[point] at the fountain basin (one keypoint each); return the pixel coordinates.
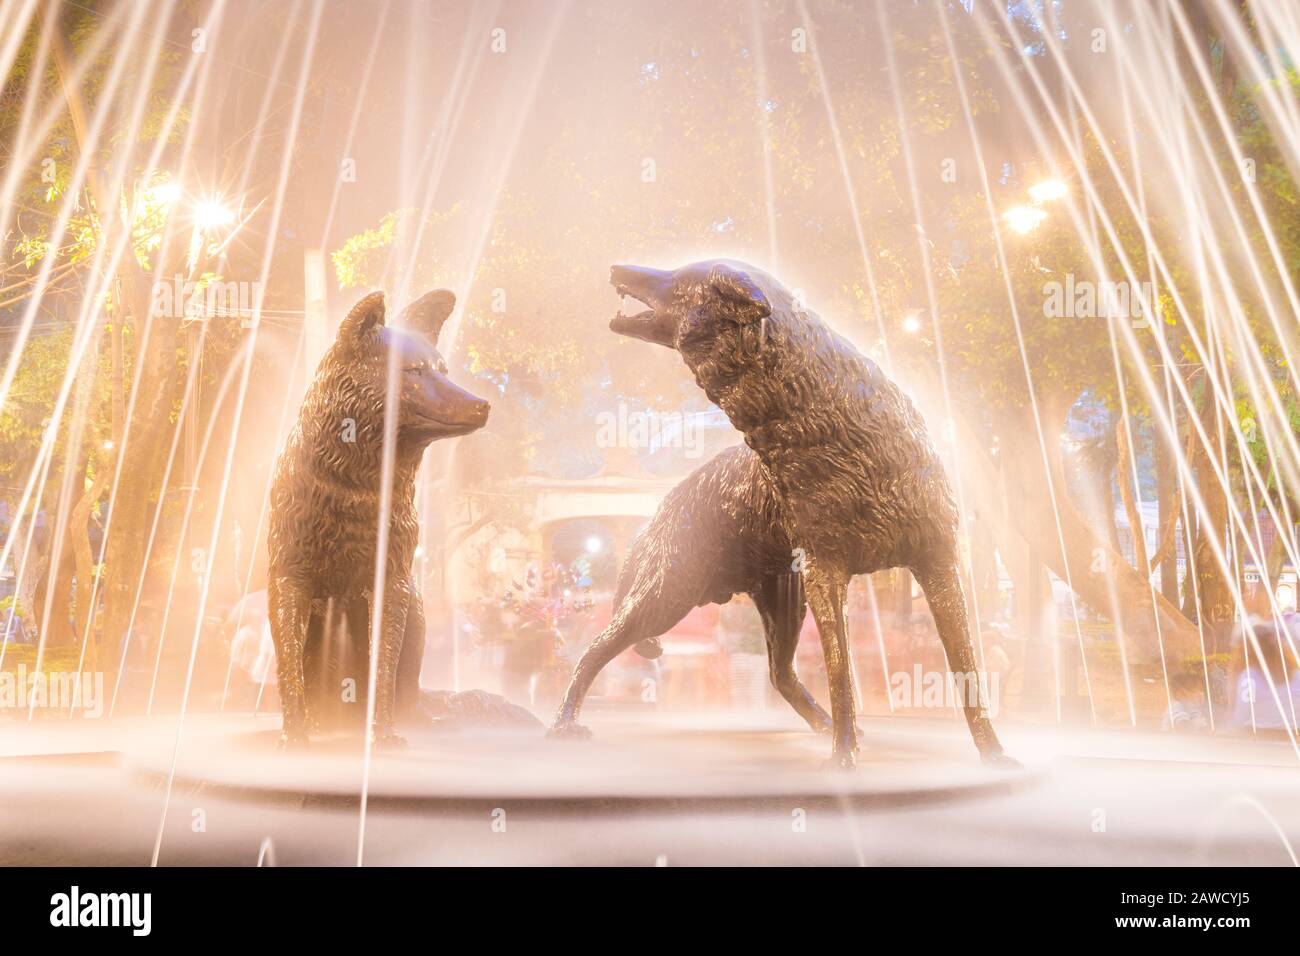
(648, 762)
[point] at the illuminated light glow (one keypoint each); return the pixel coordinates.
(593, 544)
(1048, 190)
(210, 214)
(911, 323)
(1023, 219)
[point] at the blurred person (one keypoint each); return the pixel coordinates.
(996, 659)
(136, 654)
(1256, 683)
(532, 652)
(1188, 711)
(14, 626)
(252, 653)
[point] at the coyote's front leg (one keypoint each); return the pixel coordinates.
(384, 660)
(290, 608)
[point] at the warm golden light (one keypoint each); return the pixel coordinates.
(1023, 219)
(1048, 190)
(210, 214)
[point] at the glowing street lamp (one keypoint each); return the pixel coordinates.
(1048, 190)
(211, 214)
(1023, 219)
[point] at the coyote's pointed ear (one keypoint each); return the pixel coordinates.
(739, 290)
(428, 313)
(366, 316)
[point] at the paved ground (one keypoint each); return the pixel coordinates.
(662, 788)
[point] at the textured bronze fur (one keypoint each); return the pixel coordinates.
(325, 503)
(838, 463)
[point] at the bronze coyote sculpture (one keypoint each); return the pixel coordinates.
(325, 503)
(836, 466)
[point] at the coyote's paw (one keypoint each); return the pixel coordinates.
(1000, 760)
(842, 760)
(569, 730)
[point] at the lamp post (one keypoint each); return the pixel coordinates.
(208, 215)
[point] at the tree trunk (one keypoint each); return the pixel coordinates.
(58, 624)
(983, 559)
(1216, 606)
(143, 450)
(87, 592)
(1190, 609)
(54, 604)
(1033, 621)
(1125, 470)
(1088, 561)
(143, 447)
(31, 588)
(1166, 556)
(1110, 458)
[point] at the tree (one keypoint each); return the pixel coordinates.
(109, 217)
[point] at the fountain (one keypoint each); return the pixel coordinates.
(1063, 230)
